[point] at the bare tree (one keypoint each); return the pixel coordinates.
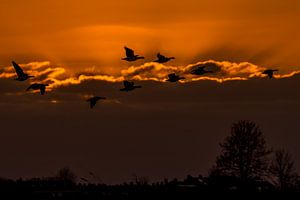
(244, 153)
(283, 170)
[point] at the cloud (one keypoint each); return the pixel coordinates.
(58, 76)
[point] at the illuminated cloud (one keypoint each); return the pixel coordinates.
(57, 76)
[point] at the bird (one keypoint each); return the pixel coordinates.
(200, 71)
(94, 100)
(163, 59)
(38, 86)
(130, 56)
(21, 75)
(128, 86)
(270, 72)
(91, 173)
(174, 78)
(84, 179)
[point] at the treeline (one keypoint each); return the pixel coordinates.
(245, 164)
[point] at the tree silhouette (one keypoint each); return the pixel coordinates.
(67, 175)
(283, 170)
(244, 153)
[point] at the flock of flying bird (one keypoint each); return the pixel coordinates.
(128, 86)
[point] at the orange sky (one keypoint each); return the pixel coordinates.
(82, 34)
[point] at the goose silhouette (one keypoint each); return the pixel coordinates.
(38, 86)
(163, 59)
(200, 71)
(128, 86)
(130, 56)
(174, 78)
(84, 179)
(21, 75)
(94, 100)
(270, 72)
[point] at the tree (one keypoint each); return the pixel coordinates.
(244, 153)
(283, 171)
(67, 175)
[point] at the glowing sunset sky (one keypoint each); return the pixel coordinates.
(90, 33)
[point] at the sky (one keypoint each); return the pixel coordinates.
(163, 129)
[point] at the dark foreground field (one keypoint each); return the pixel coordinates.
(190, 187)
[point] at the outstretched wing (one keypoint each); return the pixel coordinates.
(268, 72)
(43, 89)
(90, 99)
(29, 88)
(161, 57)
(173, 75)
(129, 52)
(93, 103)
(128, 84)
(18, 69)
(270, 75)
(84, 179)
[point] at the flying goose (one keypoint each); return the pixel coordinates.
(200, 71)
(163, 59)
(174, 78)
(38, 86)
(94, 100)
(21, 75)
(130, 56)
(270, 72)
(84, 179)
(128, 86)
